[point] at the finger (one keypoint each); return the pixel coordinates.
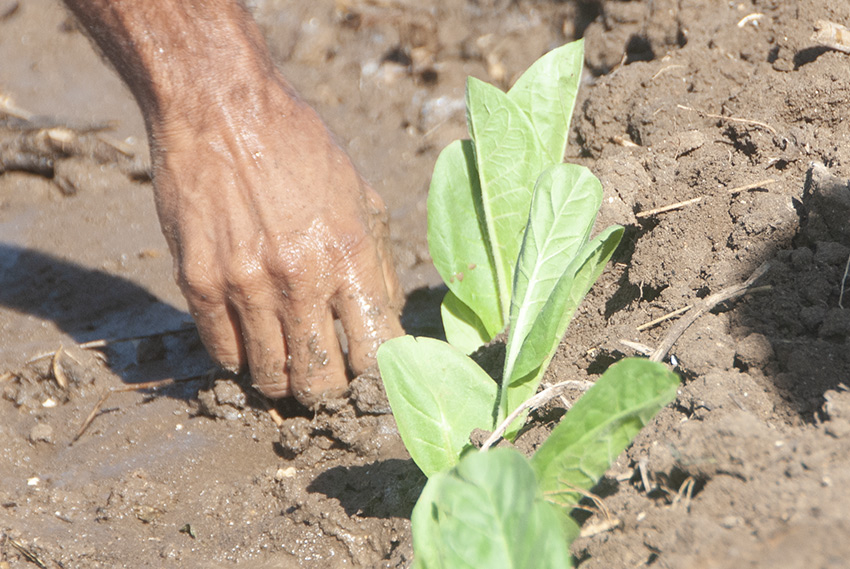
(391, 283)
(365, 309)
(267, 354)
(317, 368)
(220, 332)
(379, 227)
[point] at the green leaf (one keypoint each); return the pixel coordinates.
(464, 330)
(509, 158)
(601, 425)
(458, 238)
(438, 396)
(555, 270)
(547, 93)
(489, 512)
(563, 209)
(554, 317)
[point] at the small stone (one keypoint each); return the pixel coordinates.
(689, 141)
(838, 428)
(42, 432)
(296, 434)
(284, 473)
(225, 400)
(147, 514)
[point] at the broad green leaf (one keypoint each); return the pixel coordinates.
(489, 512)
(601, 425)
(509, 158)
(547, 93)
(457, 235)
(438, 396)
(545, 334)
(464, 330)
(563, 208)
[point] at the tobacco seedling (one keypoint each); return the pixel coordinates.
(500, 510)
(508, 230)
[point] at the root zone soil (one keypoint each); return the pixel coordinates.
(727, 109)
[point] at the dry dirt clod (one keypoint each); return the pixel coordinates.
(41, 432)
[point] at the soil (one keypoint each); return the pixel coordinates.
(728, 107)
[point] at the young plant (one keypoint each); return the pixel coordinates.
(500, 510)
(508, 230)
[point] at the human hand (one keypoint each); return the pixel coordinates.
(274, 234)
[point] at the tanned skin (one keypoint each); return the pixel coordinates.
(272, 230)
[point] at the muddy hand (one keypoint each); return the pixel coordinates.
(273, 232)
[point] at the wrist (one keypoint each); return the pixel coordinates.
(182, 59)
(209, 71)
(220, 102)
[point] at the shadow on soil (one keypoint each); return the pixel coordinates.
(382, 489)
(88, 304)
(798, 330)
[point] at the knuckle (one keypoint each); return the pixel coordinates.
(197, 282)
(294, 262)
(358, 256)
(244, 276)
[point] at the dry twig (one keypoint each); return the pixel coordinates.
(532, 403)
(622, 141)
(597, 501)
(678, 205)
(667, 316)
(644, 475)
(843, 281)
(273, 412)
(591, 529)
(608, 522)
(700, 308)
(106, 342)
(666, 208)
(56, 368)
(831, 35)
(103, 343)
(685, 493)
(752, 186)
(666, 69)
(136, 387)
(8, 108)
(637, 346)
(28, 554)
(730, 119)
(750, 19)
